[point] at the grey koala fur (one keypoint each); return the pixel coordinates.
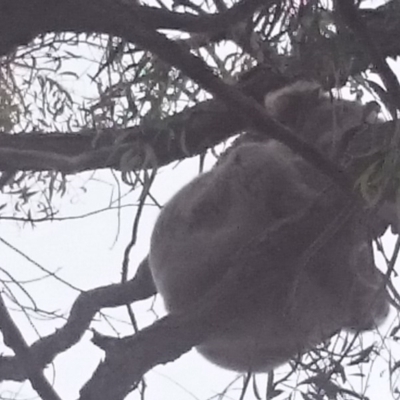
(285, 308)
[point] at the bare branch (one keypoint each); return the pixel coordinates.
(84, 309)
(34, 370)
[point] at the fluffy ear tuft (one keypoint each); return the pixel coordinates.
(288, 103)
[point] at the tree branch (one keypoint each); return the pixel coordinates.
(179, 136)
(26, 360)
(84, 309)
(22, 20)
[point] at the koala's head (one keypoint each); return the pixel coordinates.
(315, 116)
(292, 104)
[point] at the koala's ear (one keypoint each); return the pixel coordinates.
(316, 92)
(285, 103)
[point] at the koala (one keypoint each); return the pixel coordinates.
(299, 296)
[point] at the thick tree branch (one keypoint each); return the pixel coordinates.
(22, 20)
(158, 18)
(182, 135)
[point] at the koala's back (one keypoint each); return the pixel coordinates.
(207, 221)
